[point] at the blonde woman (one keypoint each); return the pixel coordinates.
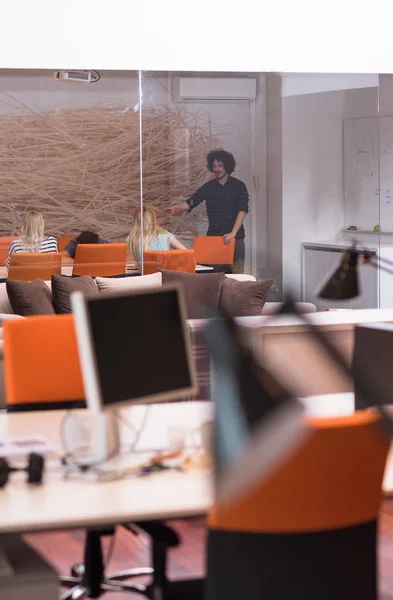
(32, 237)
(154, 236)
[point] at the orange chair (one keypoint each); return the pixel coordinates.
(64, 240)
(211, 250)
(4, 247)
(308, 530)
(100, 260)
(26, 266)
(37, 375)
(171, 260)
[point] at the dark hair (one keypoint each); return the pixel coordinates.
(227, 159)
(87, 237)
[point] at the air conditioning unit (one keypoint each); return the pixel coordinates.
(188, 89)
(78, 76)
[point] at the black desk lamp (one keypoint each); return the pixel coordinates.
(343, 284)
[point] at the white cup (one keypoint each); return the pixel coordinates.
(177, 437)
(207, 437)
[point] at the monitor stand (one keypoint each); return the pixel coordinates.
(106, 437)
(100, 438)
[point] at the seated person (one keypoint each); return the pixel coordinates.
(154, 236)
(86, 237)
(32, 237)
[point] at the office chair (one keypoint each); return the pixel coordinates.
(211, 250)
(171, 260)
(26, 266)
(46, 379)
(4, 247)
(100, 260)
(308, 531)
(63, 240)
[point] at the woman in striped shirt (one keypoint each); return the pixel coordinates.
(32, 236)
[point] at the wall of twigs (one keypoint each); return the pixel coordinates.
(81, 167)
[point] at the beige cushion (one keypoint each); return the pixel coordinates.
(240, 276)
(108, 284)
(5, 306)
(270, 308)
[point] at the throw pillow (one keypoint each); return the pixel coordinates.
(244, 298)
(63, 286)
(124, 284)
(200, 290)
(29, 298)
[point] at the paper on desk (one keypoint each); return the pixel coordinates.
(22, 445)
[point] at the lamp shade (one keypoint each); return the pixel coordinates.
(343, 284)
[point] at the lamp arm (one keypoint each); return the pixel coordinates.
(382, 267)
(385, 260)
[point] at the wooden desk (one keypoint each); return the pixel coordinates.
(293, 353)
(82, 502)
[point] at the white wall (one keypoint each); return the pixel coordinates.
(294, 84)
(313, 196)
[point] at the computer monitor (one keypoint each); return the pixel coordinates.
(372, 364)
(134, 348)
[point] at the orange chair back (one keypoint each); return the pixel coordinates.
(334, 480)
(64, 240)
(4, 247)
(211, 250)
(26, 266)
(171, 260)
(37, 375)
(100, 260)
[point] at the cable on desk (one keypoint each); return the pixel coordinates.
(138, 432)
(70, 456)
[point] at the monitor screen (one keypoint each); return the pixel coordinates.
(372, 364)
(140, 346)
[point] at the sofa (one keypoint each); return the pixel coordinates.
(195, 325)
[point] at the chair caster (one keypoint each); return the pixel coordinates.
(78, 570)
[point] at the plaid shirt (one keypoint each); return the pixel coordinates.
(223, 204)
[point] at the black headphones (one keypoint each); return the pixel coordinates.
(34, 469)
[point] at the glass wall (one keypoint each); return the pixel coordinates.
(186, 118)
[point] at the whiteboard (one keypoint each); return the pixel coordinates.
(368, 173)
